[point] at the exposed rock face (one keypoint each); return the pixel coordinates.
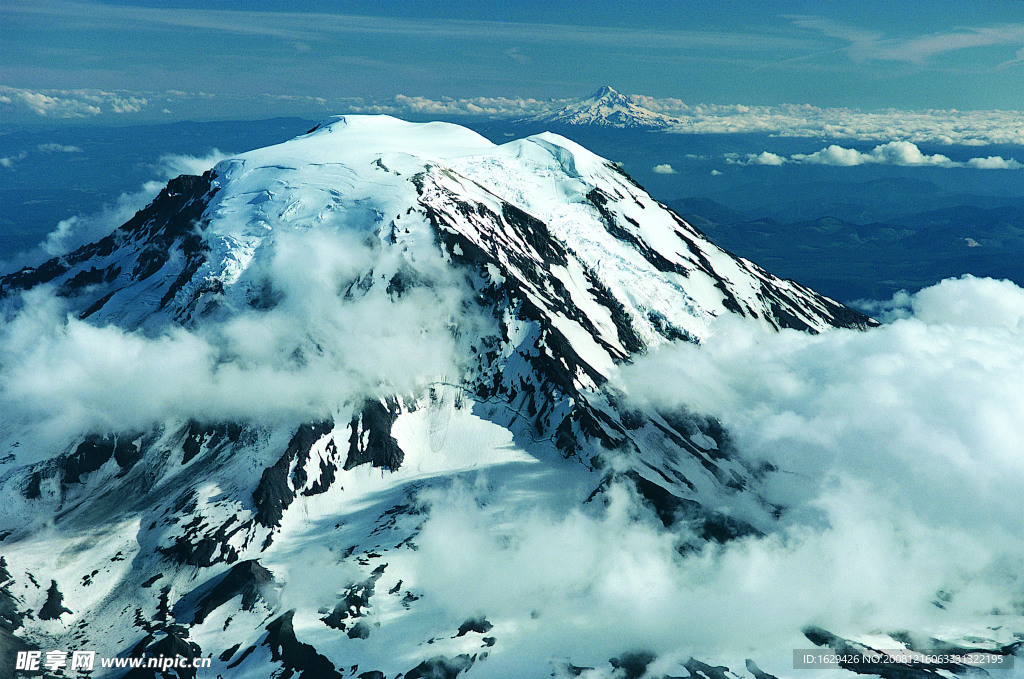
(54, 606)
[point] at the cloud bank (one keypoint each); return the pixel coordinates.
(311, 355)
(972, 128)
(80, 103)
(903, 153)
(897, 458)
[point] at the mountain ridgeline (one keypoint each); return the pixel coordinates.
(523, 274)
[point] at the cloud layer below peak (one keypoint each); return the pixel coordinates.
(903, 153)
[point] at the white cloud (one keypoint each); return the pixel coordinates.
(803, 120)
(978, 127)
(81, 103)
(765, 158)
(9, 161)
(902, 153)
(598, 581)
(312, 355)
(58, 148)
(871, 45)
(898, 452)
(994, 163)
(172, 165)
(78, 230)
(664, 168)
(892, 153)
(836, 155)
(898, 461)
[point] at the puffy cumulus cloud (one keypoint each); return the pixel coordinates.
(989, 304)
(915, 424)
(603, 579)
(902, 153)
(994, 163)
(897, 458)
(664, 168)
(82, 103)
(10, 161)
(78, 230)
(892, 153)
(669, 106)
(767, 158)
(836, 155)
(922, 405)
(312, 354)
(763, 158)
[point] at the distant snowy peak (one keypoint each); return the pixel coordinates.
(606, 108)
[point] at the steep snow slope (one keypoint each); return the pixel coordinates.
(305, 345)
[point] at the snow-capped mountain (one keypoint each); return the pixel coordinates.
(605, 108)
(305, 350)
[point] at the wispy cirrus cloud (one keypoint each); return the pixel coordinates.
(865, 45)
(310, 27)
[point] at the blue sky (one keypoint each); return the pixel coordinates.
(189, 59)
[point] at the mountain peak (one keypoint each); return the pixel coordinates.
(390, 169)
(605, 91)
(606, 108)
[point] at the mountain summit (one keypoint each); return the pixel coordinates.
(606, 108)
(254, 416)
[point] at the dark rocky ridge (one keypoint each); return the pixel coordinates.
(166, 224)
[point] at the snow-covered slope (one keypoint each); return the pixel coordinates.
(529, 196)
(325, 333)
(605, 108)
